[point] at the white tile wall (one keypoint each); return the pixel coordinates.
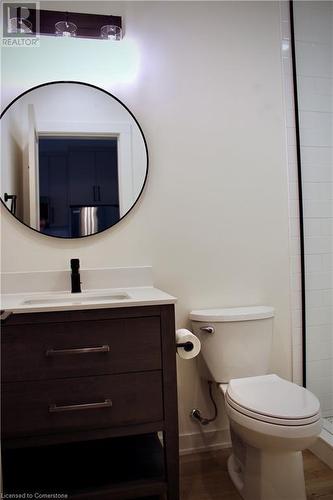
(318, 227)
(317, 191)
(315, 90)
(318, 157)
(315, 173)
(315, 126)
(322, 333)
(314, 59)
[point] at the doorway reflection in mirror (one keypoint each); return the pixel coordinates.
(74, 155)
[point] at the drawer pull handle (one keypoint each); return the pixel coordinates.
(4, 315)
(84, 406)
(82, 350)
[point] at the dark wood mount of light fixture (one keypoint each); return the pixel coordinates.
(88, 25)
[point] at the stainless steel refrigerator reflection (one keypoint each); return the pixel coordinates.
(92, 219)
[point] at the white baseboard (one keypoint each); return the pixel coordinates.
(323, 448)
(216, 439)
(204, 440)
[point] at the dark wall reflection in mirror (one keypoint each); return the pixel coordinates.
(73, 157)
(78, 185)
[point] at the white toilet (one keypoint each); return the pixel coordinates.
(271, 419)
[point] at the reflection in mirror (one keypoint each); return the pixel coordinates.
(73, 159)
(78, 184)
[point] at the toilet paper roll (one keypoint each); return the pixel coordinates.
(182, 336)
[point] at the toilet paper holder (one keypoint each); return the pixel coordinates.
(188, 346)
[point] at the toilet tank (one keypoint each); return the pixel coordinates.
(235, 342)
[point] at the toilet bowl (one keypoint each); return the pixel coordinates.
(271, 419)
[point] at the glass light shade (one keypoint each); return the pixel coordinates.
(65, 28)
(17, 25)
(111, 32)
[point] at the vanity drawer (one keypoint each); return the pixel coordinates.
(80, 348)
(76, 404)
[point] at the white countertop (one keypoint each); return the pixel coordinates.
(19, 303)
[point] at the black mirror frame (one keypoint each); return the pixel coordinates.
(144, 141)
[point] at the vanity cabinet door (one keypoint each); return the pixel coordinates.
(106, 170)
(75, 404)
(93, 177)
(81, 170)
(80, 348)
(53, 177)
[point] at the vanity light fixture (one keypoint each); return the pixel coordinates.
(69, 24)
(111, 32)
(65, 28)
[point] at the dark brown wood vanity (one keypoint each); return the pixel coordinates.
(87, 398)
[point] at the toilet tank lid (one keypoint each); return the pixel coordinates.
(232, 314)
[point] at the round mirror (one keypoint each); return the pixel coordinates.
(74, 160)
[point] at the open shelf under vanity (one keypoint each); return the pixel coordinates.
(122, 467)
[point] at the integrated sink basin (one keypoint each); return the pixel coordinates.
(51, 291)
(76, 298)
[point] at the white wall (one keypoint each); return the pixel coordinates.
(314, 58)
(204, 81)
(12, 161)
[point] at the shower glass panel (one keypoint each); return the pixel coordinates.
(313, 37)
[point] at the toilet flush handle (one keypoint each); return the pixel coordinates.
(207, 329)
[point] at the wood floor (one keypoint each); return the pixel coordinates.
(204, 476)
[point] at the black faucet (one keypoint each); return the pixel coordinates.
(75, 276)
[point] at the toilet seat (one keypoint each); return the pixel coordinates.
(273, 435)
(272, 420)
(274, 400)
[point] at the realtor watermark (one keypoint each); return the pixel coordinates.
(20, 24)
(36, 495)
